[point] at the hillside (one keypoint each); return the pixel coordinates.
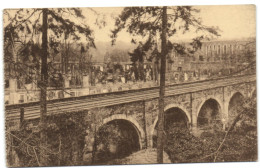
(104, 48)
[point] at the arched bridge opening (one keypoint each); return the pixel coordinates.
(235, 106)
(175, 122)
(209, 116)
(114, 140)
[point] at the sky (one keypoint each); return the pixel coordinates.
(234, 21)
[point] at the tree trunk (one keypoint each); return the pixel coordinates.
(160, 135)
(43, 86)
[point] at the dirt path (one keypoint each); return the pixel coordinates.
(146, 156)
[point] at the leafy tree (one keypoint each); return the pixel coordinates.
(51, 25)
(137, 58)
(152, 24)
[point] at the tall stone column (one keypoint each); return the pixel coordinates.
(85, 86)
(12, 88)
(85, 81)
(66, 78)
(66, 83)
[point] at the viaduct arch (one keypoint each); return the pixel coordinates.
(129, 119)
(168, 107)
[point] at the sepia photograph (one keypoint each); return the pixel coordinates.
(129, 85)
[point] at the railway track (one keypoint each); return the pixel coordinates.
(32, 110)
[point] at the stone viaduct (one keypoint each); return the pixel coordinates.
(139, 107)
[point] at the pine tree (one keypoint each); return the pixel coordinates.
(159, 24)
(52, 25)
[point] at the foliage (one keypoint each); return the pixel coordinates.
(23, 28)
(240, 144)
(65, 141)
(146, 22)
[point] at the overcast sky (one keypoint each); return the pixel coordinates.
(236, 22)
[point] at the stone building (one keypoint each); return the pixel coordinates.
(213, 58)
